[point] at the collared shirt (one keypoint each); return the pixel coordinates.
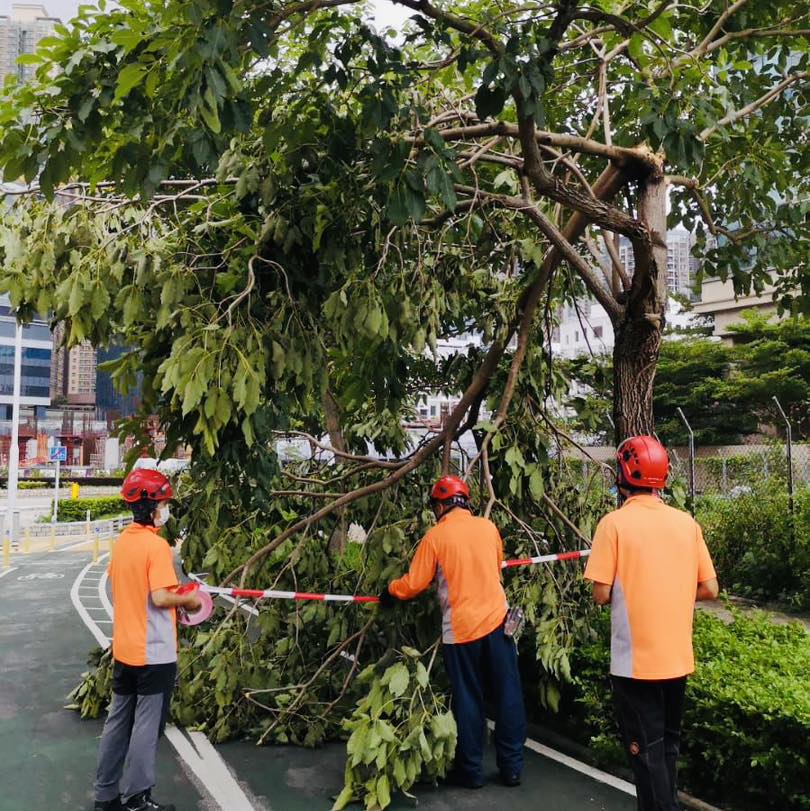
(141, 563)
(654, 556)
(463, 554)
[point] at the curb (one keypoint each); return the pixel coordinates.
(582, 753)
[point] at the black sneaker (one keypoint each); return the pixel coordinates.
(144, 802)
(108, 805)
(510, 780)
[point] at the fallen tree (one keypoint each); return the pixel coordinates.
(282, 213)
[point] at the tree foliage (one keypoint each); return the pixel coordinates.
(283, 212)
(726, 390)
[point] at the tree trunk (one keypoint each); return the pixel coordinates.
(639, 329)
(635, 356)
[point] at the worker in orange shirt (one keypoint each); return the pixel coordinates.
(463, 554)
(144, 648)
(650, 563)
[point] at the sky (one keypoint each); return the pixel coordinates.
(385, 11)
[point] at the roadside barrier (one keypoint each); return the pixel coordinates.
(88, 535)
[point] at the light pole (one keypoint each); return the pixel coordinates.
(14, 449)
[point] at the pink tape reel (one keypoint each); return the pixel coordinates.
(192, 618)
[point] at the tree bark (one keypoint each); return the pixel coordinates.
(639, 329)
(635, 356)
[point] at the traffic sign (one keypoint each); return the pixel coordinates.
(58, 453)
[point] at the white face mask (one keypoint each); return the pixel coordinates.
(162, 515)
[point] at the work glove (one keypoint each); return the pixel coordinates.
(387, 600)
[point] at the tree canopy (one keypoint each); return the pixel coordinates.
(726, 390)
(283, 211)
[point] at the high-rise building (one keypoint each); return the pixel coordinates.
(37, 346)
(681, 265)
(108, 399)
(679, 262)
(73, 372)
(20, 32)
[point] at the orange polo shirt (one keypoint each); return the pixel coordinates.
(141, 563)
(463, 554)
(654, 556)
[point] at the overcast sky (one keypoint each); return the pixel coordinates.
(386, 14)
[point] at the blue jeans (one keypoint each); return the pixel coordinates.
(486, 668)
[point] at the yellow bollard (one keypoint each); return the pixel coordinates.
(110, 542)
(95, 549)
(74, 491)
(52, 544)
(26, 541)
(6, 553)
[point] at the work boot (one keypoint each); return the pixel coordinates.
(510, 779)
(144, 802)
(108, 805)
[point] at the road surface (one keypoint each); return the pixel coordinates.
(47, 754)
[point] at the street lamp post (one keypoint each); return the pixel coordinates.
(14, 449)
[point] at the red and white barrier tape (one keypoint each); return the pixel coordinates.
(509, 564)
(272, 594)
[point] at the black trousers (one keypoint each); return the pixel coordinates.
(486, 666)
(650, 715)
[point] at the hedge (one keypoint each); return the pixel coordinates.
(753, 545)
(746, 742)
(102, 507)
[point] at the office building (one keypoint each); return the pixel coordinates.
(37, 347)
(108, 398)
(19, 34)
(73, 374)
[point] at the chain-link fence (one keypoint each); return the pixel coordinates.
(771, 458)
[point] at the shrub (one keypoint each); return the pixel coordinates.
(747, 721)
(32, 485)
(103, 507)
(753, 547)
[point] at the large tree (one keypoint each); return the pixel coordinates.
(279, 209)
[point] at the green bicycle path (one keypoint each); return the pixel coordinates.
(47, 753)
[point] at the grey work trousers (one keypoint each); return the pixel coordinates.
(136, 720)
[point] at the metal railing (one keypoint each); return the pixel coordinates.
(81, 536)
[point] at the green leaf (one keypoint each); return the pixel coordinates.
(383, 791)
(422, 675)
(489, 101)
(128, 38)
(636, 47)
(397, 677)
(344, 798)
(128, 79)
(211, 117)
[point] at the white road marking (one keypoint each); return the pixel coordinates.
(102, 593)
(209, 767)
(100, 637)
(578, 766)
(8, 571)
(76, 545)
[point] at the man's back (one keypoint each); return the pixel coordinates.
(654, 556)
(142, 563)
(464, 554)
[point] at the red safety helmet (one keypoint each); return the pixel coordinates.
(450, 487)
(643, 462)
(143, 483)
